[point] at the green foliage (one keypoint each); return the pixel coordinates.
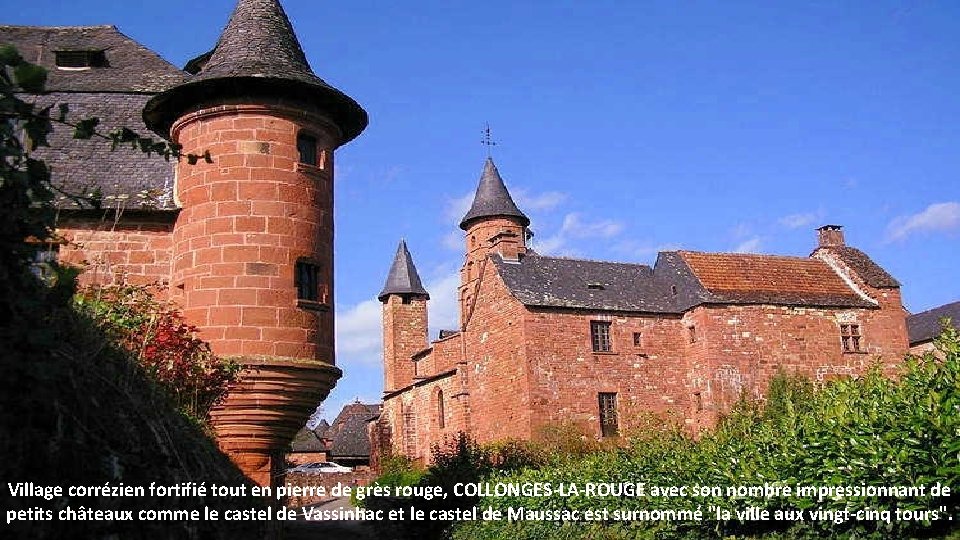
(167, 348)
(868, 431)
(76, 409)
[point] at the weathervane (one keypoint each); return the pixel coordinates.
(487, 138)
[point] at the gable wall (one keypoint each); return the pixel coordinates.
(495, 363)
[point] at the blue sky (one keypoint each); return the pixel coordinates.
(623, 128)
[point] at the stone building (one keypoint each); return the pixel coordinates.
(923, 327)
(242, 241)
(544, 340)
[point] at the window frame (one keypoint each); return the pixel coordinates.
(851, 338)
(601, 336)
(311, 295)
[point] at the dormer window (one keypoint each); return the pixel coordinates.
(77, 60)
(595, 286)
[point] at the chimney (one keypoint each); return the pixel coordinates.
(830, 236)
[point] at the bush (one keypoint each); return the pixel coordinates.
(870, 431)
(163, 343)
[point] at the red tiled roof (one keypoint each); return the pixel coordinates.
(770, 278)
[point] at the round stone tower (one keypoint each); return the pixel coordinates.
(253, 244)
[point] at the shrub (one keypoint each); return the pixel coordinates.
(164, 345)
(870, 430)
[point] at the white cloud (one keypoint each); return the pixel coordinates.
(741, 230)
(444, 308)
(453, 240)
(575, 227)
(796, 221)
(456, 208)
(751, 245)
(534, 202)
(639, 250)
(943, 216)
(359, 334)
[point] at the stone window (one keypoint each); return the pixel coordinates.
(692, 333)
(76, 60)
(638, 339)
(600, 336)
(311, 293)
(608, 414)
(850, 338)
(307, 148)
(441, 414)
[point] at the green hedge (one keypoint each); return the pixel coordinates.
(870, 431)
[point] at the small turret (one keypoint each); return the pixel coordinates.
(404, 320)
(403, 278)
(493, 224)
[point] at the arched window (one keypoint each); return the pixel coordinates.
(440, 410)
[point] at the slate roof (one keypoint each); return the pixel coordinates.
(572, 283)
(771, 279)
(863, 265)
(403, 277)
(924, 326)
(116, 94)
(125, 178)
(321, 429)
(679, 281)
(131, 67)
(258, 54)
(306, 441)
(492, 199)
(348, 433)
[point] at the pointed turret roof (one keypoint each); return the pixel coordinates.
(492, 199)
(403, 277)
(258, 55)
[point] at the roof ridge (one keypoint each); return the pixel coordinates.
(757, 255)
(582, 259)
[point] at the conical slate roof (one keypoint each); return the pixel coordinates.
(258, 55)
(403, 277)
(492, 199)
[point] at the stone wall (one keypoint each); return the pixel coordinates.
(132, 248)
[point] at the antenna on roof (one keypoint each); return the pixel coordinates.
(487, 139)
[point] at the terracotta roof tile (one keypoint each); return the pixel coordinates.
(737, 277)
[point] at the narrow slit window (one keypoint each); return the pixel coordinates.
(638, 339)
(440, 410)
(307, 148)
(600, 336)
(308, 281)
(609, 426)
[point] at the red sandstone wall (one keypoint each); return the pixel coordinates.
(567, 375)
(404, 333)
(496, 364)
(740, 348)
(132, 250)
(246, 219)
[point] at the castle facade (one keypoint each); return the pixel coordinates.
(546, 340)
